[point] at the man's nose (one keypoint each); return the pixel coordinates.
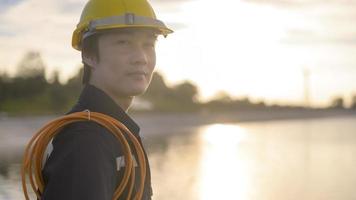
(139, 56)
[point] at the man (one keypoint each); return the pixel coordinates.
(117, 41)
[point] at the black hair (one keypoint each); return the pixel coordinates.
(89, 48)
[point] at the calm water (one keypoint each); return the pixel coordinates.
(277, 160)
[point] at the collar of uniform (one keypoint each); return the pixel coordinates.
(96, 100)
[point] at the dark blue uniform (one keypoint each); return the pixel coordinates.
(87, 162)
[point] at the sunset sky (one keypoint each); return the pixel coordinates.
(255, 48)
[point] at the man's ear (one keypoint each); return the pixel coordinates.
(89, 60)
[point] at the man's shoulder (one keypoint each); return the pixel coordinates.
(84, 132)
(80, 127)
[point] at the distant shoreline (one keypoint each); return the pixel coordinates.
(169, 121)
(247, 116)
(156, 123)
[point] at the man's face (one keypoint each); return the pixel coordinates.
(126, 62)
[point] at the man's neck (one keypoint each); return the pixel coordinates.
(123, 101)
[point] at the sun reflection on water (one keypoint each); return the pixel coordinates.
(223, 173)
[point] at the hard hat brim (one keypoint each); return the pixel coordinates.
(117, 22)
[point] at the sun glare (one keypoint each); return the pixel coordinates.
(224, 175)
(237, 45)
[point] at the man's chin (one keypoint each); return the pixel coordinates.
(137, 92)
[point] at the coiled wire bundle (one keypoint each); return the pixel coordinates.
(34, 152)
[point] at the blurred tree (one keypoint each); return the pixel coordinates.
(2, 91)
(62, 97)
(74, 84)
(182, 97)
(57, 94)
(31, 65)
(29, 80)
(223, 101)
(185, 92)
(157, 92)
(337, 102)
(353, 102)
(157, 87)
(222, 96)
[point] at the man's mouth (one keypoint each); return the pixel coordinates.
(137, 74)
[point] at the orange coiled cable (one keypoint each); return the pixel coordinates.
(34, 152)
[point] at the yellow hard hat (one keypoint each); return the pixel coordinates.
(110, 14)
